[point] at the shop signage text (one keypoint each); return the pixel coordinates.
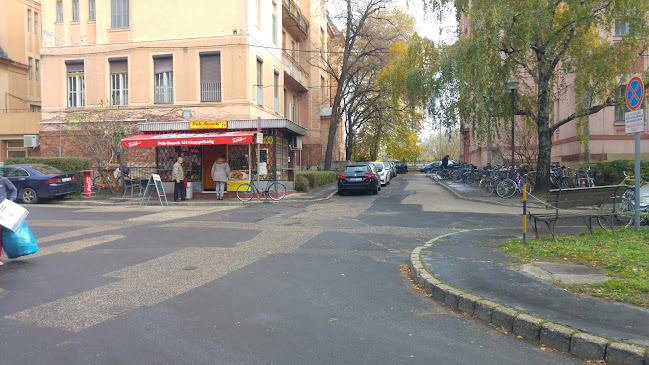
(208, 124)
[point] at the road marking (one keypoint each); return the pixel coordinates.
(157, 280)
(73, 246)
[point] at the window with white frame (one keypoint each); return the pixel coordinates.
(164, 79)
(75, 84)
(91, 9)
(119, 12)
(30, 62)
(59, 10)
(29, 20)
(621, 109)
(621, 27)
(118, 81)
(210, 76)
(37, 70)
(260, 89)
(75, 10)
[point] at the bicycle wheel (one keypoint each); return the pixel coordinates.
(276, 191)
(468, 178)
(506, 188)
(456, 175)
(245, 192)
(566, 183)
(486, 186)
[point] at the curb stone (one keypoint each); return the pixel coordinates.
(557, 336)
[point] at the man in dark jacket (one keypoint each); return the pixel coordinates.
(7, 191)
(445, 162)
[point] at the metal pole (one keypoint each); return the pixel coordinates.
(524, 212)
(513, 113)
(636, 178)
(258, 155)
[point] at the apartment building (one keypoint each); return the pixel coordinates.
(20, 77)
(184, 77)
(605, 138)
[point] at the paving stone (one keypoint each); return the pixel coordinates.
(484, 309)
(466, 303)
(503, 317)
(618, 353)
(451, 297)
(439, 292)
(428, 287)
(556, 336)
(588, 347)
(527, 326)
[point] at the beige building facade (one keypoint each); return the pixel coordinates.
(20, 76)
(158, 66)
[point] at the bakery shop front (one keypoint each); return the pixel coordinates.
(201, 143)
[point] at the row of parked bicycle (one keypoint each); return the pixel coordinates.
(499, 178)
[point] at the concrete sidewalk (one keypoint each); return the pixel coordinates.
(319, 194)
(471, 274)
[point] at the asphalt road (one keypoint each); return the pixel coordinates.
(258, 284)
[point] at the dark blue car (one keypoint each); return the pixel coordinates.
(36, 181)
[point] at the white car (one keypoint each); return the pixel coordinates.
(384, 173)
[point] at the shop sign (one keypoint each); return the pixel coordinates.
(207, 124)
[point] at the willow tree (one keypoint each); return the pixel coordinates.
(556, 49)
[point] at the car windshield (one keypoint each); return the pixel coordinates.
(379, 166)
(360, 168)
(47, 170)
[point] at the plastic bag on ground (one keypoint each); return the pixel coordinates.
(19, 243)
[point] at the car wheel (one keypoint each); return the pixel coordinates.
(387, 183)
(29, 196)
(375, 191)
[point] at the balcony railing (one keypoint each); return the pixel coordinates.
(295, 64)
(210, 91)
(294, 12)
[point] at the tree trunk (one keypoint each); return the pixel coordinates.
(349, 146)
(545, 136)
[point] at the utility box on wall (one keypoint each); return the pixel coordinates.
(31, 140)
(296, 143)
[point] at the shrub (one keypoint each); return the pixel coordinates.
(612, 172)
(302, 183)
(317, 178)
(65, 164)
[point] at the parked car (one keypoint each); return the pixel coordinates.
(36, 181)
(435, 165)
(393, 169)
(402, 167)
(384, 172)
(359, 177)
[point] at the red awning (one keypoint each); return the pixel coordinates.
(188, 139)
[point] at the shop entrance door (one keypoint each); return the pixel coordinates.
(210, 155)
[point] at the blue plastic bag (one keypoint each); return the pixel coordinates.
(19, 243)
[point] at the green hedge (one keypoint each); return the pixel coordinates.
(65, 164)
(612, 172)
(309, 180)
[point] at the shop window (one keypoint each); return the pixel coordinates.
(192, 161)
(118, 82)
(75, 84)
(164, 80)
(210, 76)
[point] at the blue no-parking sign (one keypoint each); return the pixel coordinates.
(634, 93)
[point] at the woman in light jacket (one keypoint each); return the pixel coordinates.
(220, 174)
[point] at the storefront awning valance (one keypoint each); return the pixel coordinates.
(188, 139)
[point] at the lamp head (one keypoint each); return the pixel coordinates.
(512, 84)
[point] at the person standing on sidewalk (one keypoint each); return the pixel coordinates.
(178, 176)
(220, 174)
(7, 191)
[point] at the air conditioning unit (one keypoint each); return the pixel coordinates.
(296, 143)
(31, 140)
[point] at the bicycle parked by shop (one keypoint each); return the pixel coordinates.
(274, 190)
(625, 215)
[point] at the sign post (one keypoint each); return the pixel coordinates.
(260, 140)
(634, 123)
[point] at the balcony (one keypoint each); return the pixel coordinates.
(292, 18)
(295, 77)
(210, 91)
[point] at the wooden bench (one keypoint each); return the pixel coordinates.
(587, 203)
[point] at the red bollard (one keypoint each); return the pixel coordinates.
(87, 183)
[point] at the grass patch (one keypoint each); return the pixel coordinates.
(623, 256)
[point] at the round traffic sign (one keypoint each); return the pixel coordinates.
(634, 93)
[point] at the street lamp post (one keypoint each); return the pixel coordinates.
(512, 84)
